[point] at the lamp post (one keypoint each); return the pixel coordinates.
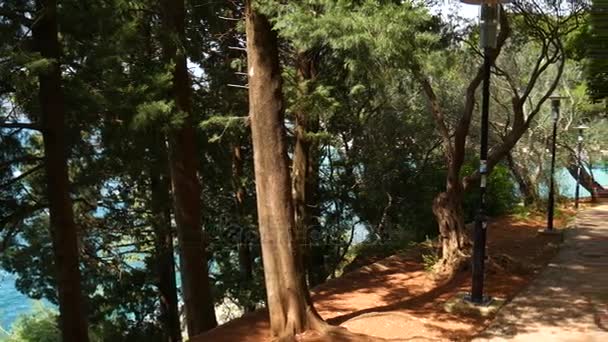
(489, 22)
(555, 104)
(579, 159)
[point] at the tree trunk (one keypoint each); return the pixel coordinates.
(587, 181)
(526, 186)
(73, 317)
(449, 213)
(289, 305)
(317, 267)
(163, 238)
(244, 247)
(183, 156)
(305, 174)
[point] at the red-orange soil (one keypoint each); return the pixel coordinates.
(396, 299)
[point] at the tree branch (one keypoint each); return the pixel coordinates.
(22, 176)
(20, 125)
(436, 110)
(498, 152)
(8, 163)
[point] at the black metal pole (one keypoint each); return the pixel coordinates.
(579, 164)
(479, 238)
(552, 185)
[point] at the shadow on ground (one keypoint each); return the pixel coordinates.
(396, 299)
(569, 300)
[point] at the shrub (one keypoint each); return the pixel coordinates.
(501, 196)
(41, 326)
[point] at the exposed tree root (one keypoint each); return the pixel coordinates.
(315, 322)
(334, 334)
(448, 267)
(339, 334)
(326, 332)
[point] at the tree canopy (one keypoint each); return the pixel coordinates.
(129, 136)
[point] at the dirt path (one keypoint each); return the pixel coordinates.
(397, 300)
(569, 300)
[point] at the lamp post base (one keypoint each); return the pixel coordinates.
(554, 231)
(462, 304)
(485, 301)
(558, 233)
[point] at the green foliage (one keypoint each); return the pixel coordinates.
(40, 65)
(501, 195)
(380, 160)
(597, 71)
(522, 212)
(229, 127)
(430, 260)
(352, 25)
(40, 326)
(431, 256)
(157, 113)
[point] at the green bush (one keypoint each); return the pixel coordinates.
(431, 255)
(501, 197)
(40, 326)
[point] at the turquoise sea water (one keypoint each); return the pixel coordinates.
(13, 303)
(567, 184)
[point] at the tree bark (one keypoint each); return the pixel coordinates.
(449, 213)
(587, 181)
(305, 174)
(317, 267)
(526, 186)
(244, 247)
(289, 305)
(163, 238)
(183, 156)
(73, 317)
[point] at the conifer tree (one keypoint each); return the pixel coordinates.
(183, 161)
(290, 307)
(64, 232)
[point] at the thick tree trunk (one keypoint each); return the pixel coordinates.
(183, 156)
(526, 186)
(587, 181)
(449, 213)
(163, 238)
(244, 246)
(73, 317)
(289, 305)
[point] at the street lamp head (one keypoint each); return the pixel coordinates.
(489, 20)
(581, 128)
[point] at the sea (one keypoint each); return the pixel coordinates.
(13, 303)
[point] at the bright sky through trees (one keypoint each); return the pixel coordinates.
(464, 10)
